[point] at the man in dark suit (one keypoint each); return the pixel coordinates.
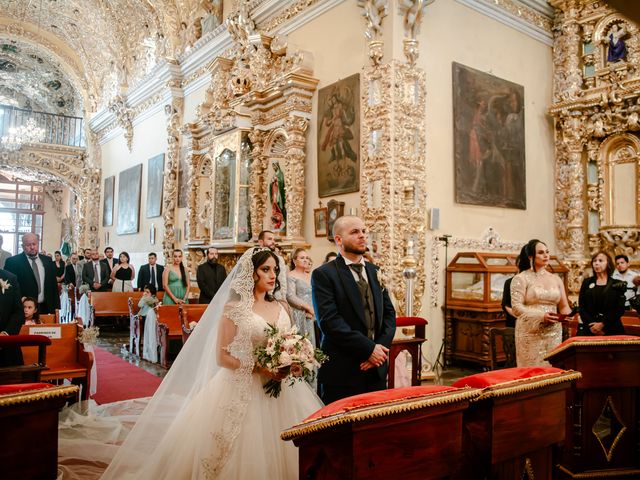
(73, 271)
(36, 274)
(210, 276)
(109, 261)
(151, 274)
(95, 273)
(355, 315)
(11, 316)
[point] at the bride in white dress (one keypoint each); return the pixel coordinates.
(210, 417)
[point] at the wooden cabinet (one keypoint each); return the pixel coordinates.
(475, 282)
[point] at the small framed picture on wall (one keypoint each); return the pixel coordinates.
(335, 210)
(320, 221)
(152, 234)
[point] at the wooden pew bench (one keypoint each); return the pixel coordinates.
(111, 304)
(65, 358)
(190, 313)
(136, 324)
(631, 323)
(169, 328)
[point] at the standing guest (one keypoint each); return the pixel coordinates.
(3, 254)
(11, 316)
(330, 257)
(210, 276)
(630, 277)
(95, 273)
(151, 273)
(59, 263)
(267, 238)
(73, 271)
(602, 299)
(356, 317)
(36, 274)
(175, 281)
(122, 274)
(148, 300)
(30, 309)
(506, 301)
(110, 262)
(85, 257)
(536, 297)
(299, 294)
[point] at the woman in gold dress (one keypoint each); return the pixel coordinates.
(536, 297)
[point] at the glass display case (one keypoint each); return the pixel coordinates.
(231, 173)
(475, 283)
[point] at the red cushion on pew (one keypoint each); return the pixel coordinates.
(494, 377)
(595, 338)
(376, 398)
(410, 321)
(24, 340)
(23, 387)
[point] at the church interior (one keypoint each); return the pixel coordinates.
(457, 130)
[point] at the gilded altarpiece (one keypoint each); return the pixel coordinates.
(596, 107)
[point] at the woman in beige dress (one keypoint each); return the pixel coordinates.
(536, 297)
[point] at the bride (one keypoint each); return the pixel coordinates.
(210, 417)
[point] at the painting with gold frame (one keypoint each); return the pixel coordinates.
(339, 137)
(335, 210)
(320, 221)
(129, 186)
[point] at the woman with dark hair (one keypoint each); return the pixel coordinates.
(122, 274)
(59, 266)
(175, 281)
(536, 297)
(602, 299)
(329, 257)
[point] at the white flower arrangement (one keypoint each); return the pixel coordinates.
(4, 285)
(84, 288)
(89, 336)
(150, 301)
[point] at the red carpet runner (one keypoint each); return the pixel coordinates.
(119, 380)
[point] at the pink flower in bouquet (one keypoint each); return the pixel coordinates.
(296, 370)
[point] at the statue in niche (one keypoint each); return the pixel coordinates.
(204, 215)
(617, 47)
(277, 198)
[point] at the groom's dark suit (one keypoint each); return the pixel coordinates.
(11, 317)
(341, 315)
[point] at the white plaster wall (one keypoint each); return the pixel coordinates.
(51, 227)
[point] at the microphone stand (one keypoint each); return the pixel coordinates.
(440, 363)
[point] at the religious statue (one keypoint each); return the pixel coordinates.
(373, 11)
(204, 214)
(210, 14)
(277, 198)
(617, 47)
(412, 11)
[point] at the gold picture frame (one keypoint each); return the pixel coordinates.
(320, 221)
(335, 210)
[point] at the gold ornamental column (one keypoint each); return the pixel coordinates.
(88, 208)
(296, 127)
(173, 111)
(257, 191)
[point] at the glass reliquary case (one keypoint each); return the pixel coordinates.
(476, 279)
(231, 175)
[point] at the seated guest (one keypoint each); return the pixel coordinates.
(30, 308)
(210, 276)
(59, 264)
(11, 316)
(95, 273)
(122, 274)
(73, 271)
(151, 274)
(602, 299)
(630, 277)
(148, 300)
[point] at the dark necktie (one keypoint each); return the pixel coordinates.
(367, 299)
(153, 277)
(36, 272)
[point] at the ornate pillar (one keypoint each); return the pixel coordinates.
(257, 191)
(296, 127)
(88, 208)
(567, 51)
(173, 111)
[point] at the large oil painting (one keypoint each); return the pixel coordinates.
(339, 137)
(183, 178)
(155, 178)
(129, 183)
(488, 116)
(107, 205)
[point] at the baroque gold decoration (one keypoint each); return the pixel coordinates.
(173, 112)
(124, 117)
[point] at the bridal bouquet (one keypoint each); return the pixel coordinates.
(286, 349)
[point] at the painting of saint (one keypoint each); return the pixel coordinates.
(488, 133)
(339, 137)
(277, 199)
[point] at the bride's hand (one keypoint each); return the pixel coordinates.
(550, 317)
(277, 376)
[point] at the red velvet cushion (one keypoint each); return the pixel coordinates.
(23, 387)
(410, 321)
(595, 338)
(494, 377)
(24, 340)
(376, 398)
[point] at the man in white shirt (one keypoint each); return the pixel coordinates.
(624, 273)
(3, 254)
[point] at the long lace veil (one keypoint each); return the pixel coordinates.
(194, 367)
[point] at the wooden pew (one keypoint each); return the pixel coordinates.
(48, 318)
(28, 372)
(169, 328)
(66, 357)
(631, 323)
(113, 304)
(190, 313)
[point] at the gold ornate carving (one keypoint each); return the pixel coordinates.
(124, 117)
(257, 186)
(173, 112)
(296, 128)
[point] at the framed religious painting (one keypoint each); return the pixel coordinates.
(320, 221)
(155, 179)
(335, 210)
(489, 149)
(107, 205)
(129, 185)
(339, 137)
(183, 177)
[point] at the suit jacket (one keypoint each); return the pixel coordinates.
(210, 278)
(115, 262)
(87, 276)
(11, 317)
(144, 276)
(340, 314)
(20, 266)
(3, 257)
(70, 274)
(612, 307)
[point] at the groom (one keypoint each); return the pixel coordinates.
(355, 315)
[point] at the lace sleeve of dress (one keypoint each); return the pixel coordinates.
(294, 300)
(518, 291)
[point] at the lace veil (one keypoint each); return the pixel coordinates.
(194, 367)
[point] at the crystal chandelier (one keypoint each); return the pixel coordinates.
(18, 136)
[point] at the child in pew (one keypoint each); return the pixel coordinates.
(31, 314)
(148, 300)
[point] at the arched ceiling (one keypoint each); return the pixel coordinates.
(115, 42)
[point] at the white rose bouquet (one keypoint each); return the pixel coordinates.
(286, 349)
